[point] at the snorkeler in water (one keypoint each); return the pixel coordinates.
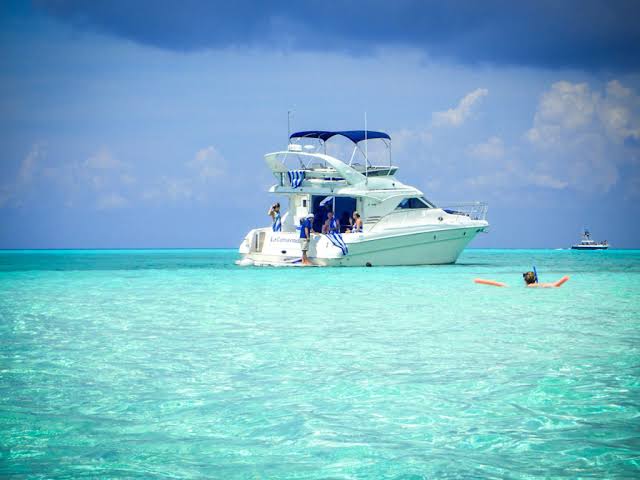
(530, 280)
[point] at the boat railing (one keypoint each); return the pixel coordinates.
(472, 210)
(301, 160)
(314, 163)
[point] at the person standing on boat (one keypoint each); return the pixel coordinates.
(274, 213)
(306, 227)
(332, 225)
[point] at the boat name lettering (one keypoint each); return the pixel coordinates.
(284, 239)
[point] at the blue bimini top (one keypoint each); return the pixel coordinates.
(355, 136)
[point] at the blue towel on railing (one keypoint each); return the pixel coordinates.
(333, 226)
(337, 240)
(296, 177)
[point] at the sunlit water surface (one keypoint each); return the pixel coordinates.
(180, 364)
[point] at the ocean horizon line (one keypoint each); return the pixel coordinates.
(105, 249)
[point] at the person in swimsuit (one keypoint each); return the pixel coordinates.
(332, 225)
(356, 226)
(274, 213)
(531, 280)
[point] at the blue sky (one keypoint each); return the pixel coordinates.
(143, 124)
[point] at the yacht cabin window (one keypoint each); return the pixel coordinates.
(414, 202)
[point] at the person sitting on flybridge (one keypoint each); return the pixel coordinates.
(274, 213)
(332, 225)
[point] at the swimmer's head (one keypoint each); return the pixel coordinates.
(529, 277)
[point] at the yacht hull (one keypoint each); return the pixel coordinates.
(427, 247)
(424, 248)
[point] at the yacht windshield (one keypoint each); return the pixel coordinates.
(414, 202)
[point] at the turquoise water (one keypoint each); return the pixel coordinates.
(179, 364)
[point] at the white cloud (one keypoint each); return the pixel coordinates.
(505, 169)
(581, 135)
(127, 179)
(619, 112)
(403, 137)
(6, 193)
(178, 189)
(27, 172)
(410, 141)
(566, 107)
(544, 180)
(454, 117)
(103, 160)
(616, 89)
(106, 182)
(493, 148)
(101, 180)
(208, 163)
(170, 189)
(111, 200)
(102, 171)
(29, 164)
(574, 109)
(412, 149)
(510, 174)
(633, 190)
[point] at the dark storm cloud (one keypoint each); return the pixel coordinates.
(586, 34)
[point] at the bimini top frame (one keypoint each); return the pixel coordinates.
(356, 136)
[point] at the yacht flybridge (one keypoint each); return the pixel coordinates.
(399, 225)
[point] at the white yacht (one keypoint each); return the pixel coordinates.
(399, 225)
(588, 244)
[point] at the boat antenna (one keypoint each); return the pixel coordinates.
(289, 112)
(366, 148)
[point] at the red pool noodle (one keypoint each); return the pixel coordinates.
(490, 282)
(561, 281)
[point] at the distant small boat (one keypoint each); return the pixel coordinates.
(588, 244)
